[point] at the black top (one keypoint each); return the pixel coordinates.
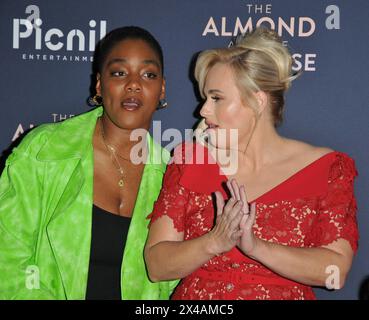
(108, 238)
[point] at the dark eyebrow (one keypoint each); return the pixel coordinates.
(116, 60)
(122, 60)
(154, 62)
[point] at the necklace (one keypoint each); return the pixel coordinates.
(114, 157)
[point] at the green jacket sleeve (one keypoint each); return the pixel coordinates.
(20, 223)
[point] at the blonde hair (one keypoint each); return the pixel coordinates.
(260, 62)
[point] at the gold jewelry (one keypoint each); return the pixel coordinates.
(95, 101)
(113, 156)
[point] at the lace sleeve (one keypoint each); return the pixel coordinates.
(173, 198)
(337, 214)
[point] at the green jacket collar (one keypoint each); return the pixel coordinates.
(72, 139)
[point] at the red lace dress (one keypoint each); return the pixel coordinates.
(312, 208)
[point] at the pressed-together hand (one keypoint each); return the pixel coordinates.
(247, 242)
(226, 233)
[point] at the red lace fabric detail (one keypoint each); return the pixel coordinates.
(337, 208)
(312, 208)
(184, 206)
(173, 198)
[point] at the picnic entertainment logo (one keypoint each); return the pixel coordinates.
(54, 44)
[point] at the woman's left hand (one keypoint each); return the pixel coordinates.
(247, 242)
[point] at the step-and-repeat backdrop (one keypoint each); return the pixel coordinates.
(46, 50)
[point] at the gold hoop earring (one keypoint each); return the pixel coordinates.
(95, 101)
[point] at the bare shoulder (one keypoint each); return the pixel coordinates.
(306, 153)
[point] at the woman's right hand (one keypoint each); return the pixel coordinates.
(226, 232)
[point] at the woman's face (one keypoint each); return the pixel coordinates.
(224, 109)
(131, 84)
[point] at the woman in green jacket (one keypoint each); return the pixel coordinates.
(73, 197)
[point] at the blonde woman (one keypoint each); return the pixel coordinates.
(285, 220)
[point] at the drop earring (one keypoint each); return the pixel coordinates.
(162, 104)
(95, 101)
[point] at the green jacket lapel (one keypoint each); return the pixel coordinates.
(69, 231)
(69, 155)
(134, 282)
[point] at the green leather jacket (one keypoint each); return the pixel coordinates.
(46, 196)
